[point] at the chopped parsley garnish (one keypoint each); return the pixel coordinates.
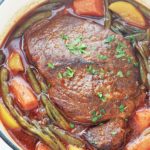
(76, 47)
(97, 115)
(91, 70)
(128, 73)
(101, 124)
(122, 108)
(103, 111)
(113, 133)
(64, 37)
(132, 39)
(102, 57)
(60, 75)
(69, 73)
(136, 64)
(102, 73)
(51, 65)
(129, 59)
(120, 74)
(120, 50)
(101, 97)
(72, 126)
(95, 118)
(109, 39)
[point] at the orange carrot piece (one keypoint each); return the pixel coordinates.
(41, 146)
(23, 94)
(89, 7)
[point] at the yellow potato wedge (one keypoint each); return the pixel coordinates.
(15, 62)
(72, 147)
(7, 119)
(129, 13)
(145, 3)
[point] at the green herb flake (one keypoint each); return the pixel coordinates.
(102, 57)
(69, 73)
(132, 39)
(136, 64)
(95, 118)
(120, 50)
(91, 70)
(102, 73)
(72, 125)
(60, 75)
(101, 97)
(76, 47)
(122, 108)
(100, 124)
(51, 65)
(113, 133)
(120, 74)
(64, 37)
(109, 39)
(103, 111)
(128, 73)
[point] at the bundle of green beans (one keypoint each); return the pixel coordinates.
(48, 137)
(52, 111)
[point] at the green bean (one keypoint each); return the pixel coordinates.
(143, 71)
(148, 35)
(35, 18)
(63, 135)
(21, 120)
(54, 138)
(108, 17)
(2, 57)
(54, 114)
(124, 28)
(142, 48)
(137, 36)
(52, 111)
(33, 81)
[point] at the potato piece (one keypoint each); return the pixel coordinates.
(129, 13)
(142, 119)
(89, 7)
(145, 3)
(72, 147)
(7, 119)
(41, 146)
(15, 62)
(23, 94)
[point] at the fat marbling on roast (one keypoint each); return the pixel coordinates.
(93, 73)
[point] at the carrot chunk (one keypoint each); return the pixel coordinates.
(89, 7)
(23, 94)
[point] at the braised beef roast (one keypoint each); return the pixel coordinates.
(107, 136)
(92, 71)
